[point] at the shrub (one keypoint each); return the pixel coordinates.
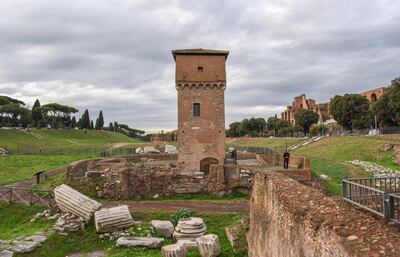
(182, 213)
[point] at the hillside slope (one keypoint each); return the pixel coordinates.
(351, 148)
(52, 138)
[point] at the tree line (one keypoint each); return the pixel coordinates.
(273, 126)
(350, 111)
(15, 113)
(355, 112)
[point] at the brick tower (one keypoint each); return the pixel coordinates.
(200, 81)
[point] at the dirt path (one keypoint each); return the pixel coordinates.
(119, 145)
(241, 206)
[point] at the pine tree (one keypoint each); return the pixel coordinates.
(91, 125)
(36, 114)
(111, 127)
(99, 121)
(73, 122)
(85, 122)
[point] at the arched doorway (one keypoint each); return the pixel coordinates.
(373, 98)
(206, 163)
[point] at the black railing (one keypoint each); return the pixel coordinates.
(380, 196)
(250, 149)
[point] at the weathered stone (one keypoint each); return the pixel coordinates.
(190, 228)
(233, 233)
(36, 238)
(174, 250)
(187, 243)
(245, 222)
(386, 147)
(208, 246)
(397, 154)
(6, 253)
(24, 246)
(139, 150)
(99, 253)
(71, 201)
(163, 227)
(148, 242)
(113, 219)
(93, 174)
(150, 149)
(170, 149)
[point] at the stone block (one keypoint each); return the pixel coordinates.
(174, 250)
(162, 227)
(209, 246)
(148, 242)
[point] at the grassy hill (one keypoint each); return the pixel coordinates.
(52, 138)
(61, 147)
(329, 155)
(351, 148)
(272, 143)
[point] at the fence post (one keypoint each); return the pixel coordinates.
(386, 206)
(344, 189)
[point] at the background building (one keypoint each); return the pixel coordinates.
(301, 103)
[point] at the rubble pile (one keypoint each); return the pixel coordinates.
(23, 244)
(68, 222)
(375, 169)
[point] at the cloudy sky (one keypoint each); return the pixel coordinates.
(115, 55)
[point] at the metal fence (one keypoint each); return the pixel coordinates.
(92, 151)
(118, 151)
(380, 196)
(27, 196)
(251, 149)
(103, 152)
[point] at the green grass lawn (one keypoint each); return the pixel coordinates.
(328, 157)
(15, 168)
(67, 138)
(14, 221)
(278, 144)
(347, 148)
(335, 170)
(59, 148)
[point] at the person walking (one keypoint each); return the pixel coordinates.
(286, 157)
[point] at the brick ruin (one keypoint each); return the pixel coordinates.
(374, 94)
(301, 103)
(148, 175)
(288, 219)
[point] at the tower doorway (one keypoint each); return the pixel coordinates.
(206, 163)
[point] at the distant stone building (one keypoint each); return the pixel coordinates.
(200, 81)
(374, 94)
(301, 103)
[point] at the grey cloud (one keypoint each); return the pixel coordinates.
(115, 55)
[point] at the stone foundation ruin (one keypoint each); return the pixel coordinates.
(152, 175)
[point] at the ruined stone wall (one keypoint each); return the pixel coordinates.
(122, 179)
(374, 94)
(276, 159)
(288, 219)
